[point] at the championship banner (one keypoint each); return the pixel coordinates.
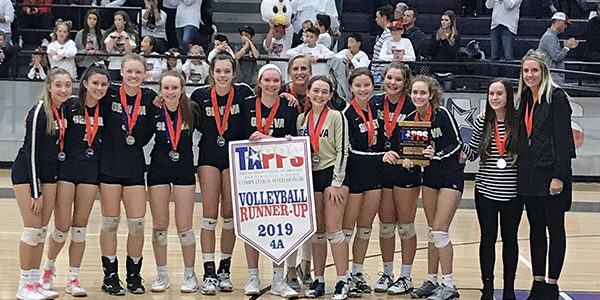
(272, 194)
(414, 137)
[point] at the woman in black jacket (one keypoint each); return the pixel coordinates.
(545, 148)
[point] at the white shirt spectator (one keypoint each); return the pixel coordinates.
(114, 62)
(188, 13)
(195, 74)
(279, 48)
(359, 60)
(172, 4)
(325, 40)
(505, 12)
(319, 51)
(36, 74)
(308, 10)
(178, 66)
(214, 53)
(64, 57)
(160, 30)
(154, 66)
(390, 50)
(8, 12)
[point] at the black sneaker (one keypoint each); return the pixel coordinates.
(361, 283)
(223, 275)
(111, 283)
(134, 280)
(341, 291)
(316, 289)
(537, 291)
(487, 293)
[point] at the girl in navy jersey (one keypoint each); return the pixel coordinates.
(34, 178)
(494, 141)
(268, 115)
(328, 132)
(220, 121)
(127, 128)
(78, 176)
(443, 182)
(363, 172)
(173, 128)
(401, 186)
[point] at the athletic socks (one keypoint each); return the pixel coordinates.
(208, 257)
(448, 280)
(357, 268)
(432, 278)
(277, 274)
(388, 268)
(253, 272)
(136, 260)
(73, 273)
(162, 269)
(405, 271)
(49, 265)
(112, 258)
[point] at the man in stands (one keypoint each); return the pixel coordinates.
(592, 37)
(7, 16)
(505, 21)
(6, 54)
(383, 17)
(550, 44)
(412, 32)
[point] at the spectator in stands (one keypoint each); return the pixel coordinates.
(170, 8)
(354, 57)
(62, 50)
(550, 44)
(324, 23)
(505, 21)
(299, 36)
(119, 39)
(7, 16)
(6, 54)
(221, 46)
(90, 41)
(445, 42)
(153, 64)
(154, 23)
(246, 56)
(172, 61)
(541, 8)
(397, 48)
(38, 67)
(401, 7)
(412, 32)
(277, 44)
(316, 51)
(592, 36)
(383, 17)
(187, 22)
(35, 17)
(195, 67)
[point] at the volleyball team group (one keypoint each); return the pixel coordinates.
(75, 146)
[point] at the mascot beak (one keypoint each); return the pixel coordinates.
(280, 19)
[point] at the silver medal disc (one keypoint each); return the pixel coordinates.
(174, 155)
(221, 141)
(129, 140)
(501, 163)
(62, 156)
(315, 159)
(89, 152)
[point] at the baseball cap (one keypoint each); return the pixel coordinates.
(561, 16)
(246, 28)
(396, 24)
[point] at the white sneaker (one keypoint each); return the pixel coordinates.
(209, 286)
(48, 294)
(29, 292)
(46, 279)
(225, 284)
(384, 283)
(401, 286)
(341, 291)
(282, 289)
(161, 283)
(75, 289)
(252, 287)
(189, 284)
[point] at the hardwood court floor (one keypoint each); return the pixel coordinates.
(580, 273)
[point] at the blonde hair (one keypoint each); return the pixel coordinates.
(546, 84)
(435, 90)
(58, 23)
(296, 57)
(453, 31)
(46, 98)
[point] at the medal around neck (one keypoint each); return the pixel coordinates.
(315, 159)
(89, 152)
(501, 163)
(129, 139)
(174, 155)
(62, 156)
(220, 141)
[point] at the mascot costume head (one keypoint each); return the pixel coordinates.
(280, 11)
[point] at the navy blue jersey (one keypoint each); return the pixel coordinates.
(446, 140)
(406, 109)
(117, 158)
(76, 142)
(287, 88)
(358, 133)
(162, 145)
(236, 127)
(37, 158)
(283, 124)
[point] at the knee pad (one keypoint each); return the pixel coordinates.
(386, 230)
(159, 237)
(429, 236)
(406, 230)
(31, 236)
(209, 224)
(440, 238)
(110, 224)
(78, 234)
(363, 233)
(335, 238)
(348, 235)
(42, 237)
(136, 226)
(228, 223)
(59, 236)
(187, 238)
(319, 238)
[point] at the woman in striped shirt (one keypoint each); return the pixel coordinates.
(494, 141)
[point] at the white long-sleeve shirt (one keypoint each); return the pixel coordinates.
(160, 30)
(319, 51)
(324, 39)
(390, 47)
(505, 12)
(64, 57)
(359, 60)
(196, 74)
(8, 12)
(154, 65)
(188, 13)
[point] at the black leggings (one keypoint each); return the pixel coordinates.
(544, 212)
(510, 217)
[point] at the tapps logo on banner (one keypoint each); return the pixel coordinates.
(272, 194)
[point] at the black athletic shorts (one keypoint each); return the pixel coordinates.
(454, 180)
(397, 175)
(78, 171)
(220, 162)
(363, 173)
(159, 174)
(20, 172)
(322, 179)
(131, 181)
